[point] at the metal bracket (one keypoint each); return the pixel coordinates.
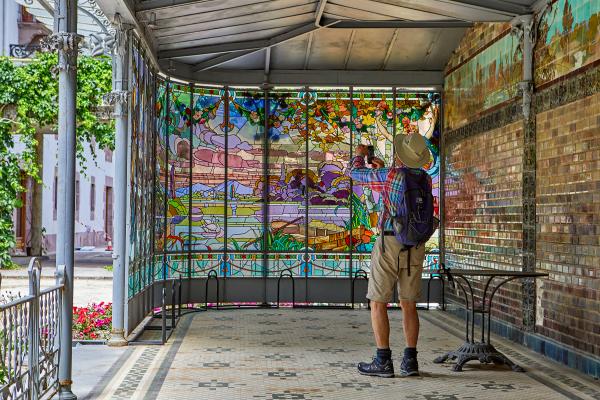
(526, 88)
(116, 97)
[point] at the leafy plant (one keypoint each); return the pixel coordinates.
(32, 91)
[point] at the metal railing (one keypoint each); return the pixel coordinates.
(23, 50)
(29, 339)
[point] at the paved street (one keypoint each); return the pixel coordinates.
(93, 283)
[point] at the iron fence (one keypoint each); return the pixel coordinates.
(29, 339)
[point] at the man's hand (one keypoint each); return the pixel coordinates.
(378, 163)
(362, 150)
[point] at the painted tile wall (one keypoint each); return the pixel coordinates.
(488, 79)
(568, 214)
(569, 39)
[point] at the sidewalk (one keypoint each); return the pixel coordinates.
(88, 265)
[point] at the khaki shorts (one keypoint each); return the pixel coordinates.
(390, 267)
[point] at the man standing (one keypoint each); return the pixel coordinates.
(393, 262)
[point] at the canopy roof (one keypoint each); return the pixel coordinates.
(370, 42)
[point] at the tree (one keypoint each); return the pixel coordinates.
(32, 89)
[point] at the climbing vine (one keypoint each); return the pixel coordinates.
(29, 101)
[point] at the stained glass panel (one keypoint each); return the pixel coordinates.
(327, 185)
(161, 165)
(208, 171)
(179, 133)
(286, 195)
(373, 125)
(244, 190)
(419, 112)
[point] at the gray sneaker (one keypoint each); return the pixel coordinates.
(375, 368)
(409, 367)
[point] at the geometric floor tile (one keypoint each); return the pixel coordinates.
(312, 354)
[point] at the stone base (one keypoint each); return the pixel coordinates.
(117, 339)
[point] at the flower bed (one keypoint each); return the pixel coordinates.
(92, 322)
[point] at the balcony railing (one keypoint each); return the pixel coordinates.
(23, 50)
(29, 339)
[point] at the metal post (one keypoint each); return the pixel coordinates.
(524, 27)
(119, 97)
(65, 41)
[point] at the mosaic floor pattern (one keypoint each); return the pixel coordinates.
(311, 354)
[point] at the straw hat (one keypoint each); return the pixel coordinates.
(412, 150)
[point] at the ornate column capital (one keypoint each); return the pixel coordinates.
(523, 26)
(62, 41)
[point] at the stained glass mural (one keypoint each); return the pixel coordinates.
(296, 145)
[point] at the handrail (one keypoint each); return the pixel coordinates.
(30, 344)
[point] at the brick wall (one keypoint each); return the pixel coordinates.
(568, 217)
(483, 207)
(485, 160)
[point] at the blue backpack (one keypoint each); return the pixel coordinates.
(415, 223)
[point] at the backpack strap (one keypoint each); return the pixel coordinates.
(408, 261)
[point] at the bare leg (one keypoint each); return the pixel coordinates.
(410, 321)
(381, 324)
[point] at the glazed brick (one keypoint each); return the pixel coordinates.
(568, 223)
(483, 209)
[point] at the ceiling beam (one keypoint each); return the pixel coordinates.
(267, 62)
(507, 8)
(320, 11)
(308, 50)
(388, 52)
(156, 5)
(222, 59)
(284, 37)
(430, 79)
(399, 24)
(214, 49)
(349, 48)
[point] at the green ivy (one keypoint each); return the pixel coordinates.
(31, 90)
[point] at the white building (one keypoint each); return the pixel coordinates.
(93, 202)
(21, 32)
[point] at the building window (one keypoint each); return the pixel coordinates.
(77, 199)
(25, 16)
(108, 211)
(93, 199)
(55, 196)
(108, 154)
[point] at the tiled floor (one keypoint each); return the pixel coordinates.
(312, 354)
